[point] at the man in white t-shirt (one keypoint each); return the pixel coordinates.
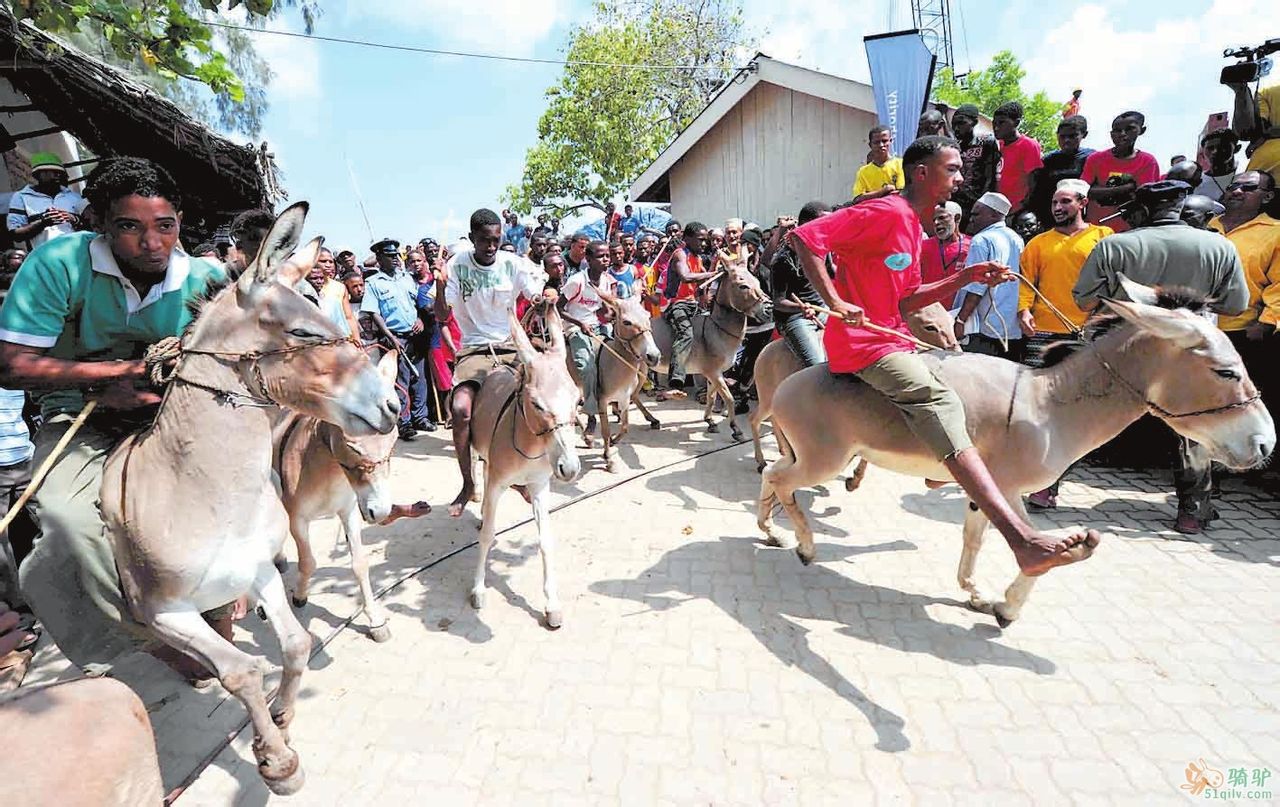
(581, 307)
(482, 285)
(1220, 146)
(48, 207)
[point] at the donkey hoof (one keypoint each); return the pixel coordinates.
(380, 633)
(713, 428)
(1002, 620)
(477, 600)
(805, 558)
(555, 619)
(784, 542)
(850, 484)
(281, 564)
(655, 425)
(284, 778)
(262, 613)
(298, 602)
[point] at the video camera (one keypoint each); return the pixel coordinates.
(1253, 63)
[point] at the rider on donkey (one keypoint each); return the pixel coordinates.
(481, 286)
(75, 324)
(877, 249)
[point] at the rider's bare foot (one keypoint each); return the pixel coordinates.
(459, 502)
(399, 511)
(1042, 552)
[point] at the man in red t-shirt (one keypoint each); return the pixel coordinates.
(1019, 155)
(1116, 173)
(943, 255)
(877, 250)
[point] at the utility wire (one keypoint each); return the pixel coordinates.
(964, 33)
(492, 56)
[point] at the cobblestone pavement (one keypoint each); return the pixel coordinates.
(697, 666)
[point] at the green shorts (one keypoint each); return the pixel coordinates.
(933, 411)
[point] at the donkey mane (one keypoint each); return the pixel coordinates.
(196, 305)
(1102, 322)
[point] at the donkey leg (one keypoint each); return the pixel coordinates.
(644, 410)
(727, 396)
(1015, 596)
(488, 514)
(540, 493)
(300, 529)
(241, 675)
(295, 641)
(756, 418)
(605, 437)
(352, 524)
(813, 462)
(854, 479)
(765, 503)
(712, 389)
(624, 421)
(975, 527)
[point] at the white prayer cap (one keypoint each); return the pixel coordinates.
(996, 201)
(952, 208)
(1077, 186)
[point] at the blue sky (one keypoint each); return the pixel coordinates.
(430, 139)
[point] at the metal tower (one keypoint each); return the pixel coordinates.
(933, 19)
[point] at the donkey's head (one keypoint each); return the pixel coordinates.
(933, 324)
(632, 327)
(281, 348)
(1191, 376)
(366, 460)
(740, 290)
(549, 399)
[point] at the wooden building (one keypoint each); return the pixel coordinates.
(773, 138)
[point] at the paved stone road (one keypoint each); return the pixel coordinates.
(697, 666)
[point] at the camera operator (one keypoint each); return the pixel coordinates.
(1256, 117)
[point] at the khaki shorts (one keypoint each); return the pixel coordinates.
(933, 411)
(475, 363)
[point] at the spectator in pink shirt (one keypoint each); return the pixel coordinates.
(1019, 154)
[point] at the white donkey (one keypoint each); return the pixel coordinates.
(522, 426)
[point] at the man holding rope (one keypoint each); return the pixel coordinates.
(877, 249)
(75, 325)
(479, 286)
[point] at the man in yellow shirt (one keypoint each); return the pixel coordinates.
(883, 174)
(1051, 262)
(1256, 235)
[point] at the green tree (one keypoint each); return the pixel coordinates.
(1001, 82)
(605, 122)
(211, 71)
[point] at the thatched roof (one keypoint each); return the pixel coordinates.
(115, 115)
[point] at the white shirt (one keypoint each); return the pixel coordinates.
(28, 203)
(1214, 186)
(581, 301)
(481, 295)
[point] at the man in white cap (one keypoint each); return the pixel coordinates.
(944, 254)
(1051, 262)
(47, 208)
(994, 309)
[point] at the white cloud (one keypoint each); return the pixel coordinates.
(295, 64)
(505, 27)
(834, 46)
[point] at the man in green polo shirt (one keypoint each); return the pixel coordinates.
(77, 320)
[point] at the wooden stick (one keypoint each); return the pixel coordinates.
(47, 465)
(870, 326)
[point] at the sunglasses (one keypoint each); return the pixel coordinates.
(1241, 186)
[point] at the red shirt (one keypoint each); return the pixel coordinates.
(877, 251)
(1017, 160)
(1102, 165)
(939, 262)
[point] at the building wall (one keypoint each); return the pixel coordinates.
(774, 151)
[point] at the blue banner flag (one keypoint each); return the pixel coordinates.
(901, 75)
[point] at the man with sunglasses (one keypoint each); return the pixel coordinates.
(1248, 223)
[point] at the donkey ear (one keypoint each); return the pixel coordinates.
(1136, 291)
(299, 263)
(1179, 326)
(555, 330)
(524, 348)
(280, 240)
(387, 365)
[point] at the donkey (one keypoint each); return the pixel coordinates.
(80, 743)
(522, 427)
(716, 339)
(325, 472)
(1029, 425)
(192, 506)
(620, 376)
(932, 324)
